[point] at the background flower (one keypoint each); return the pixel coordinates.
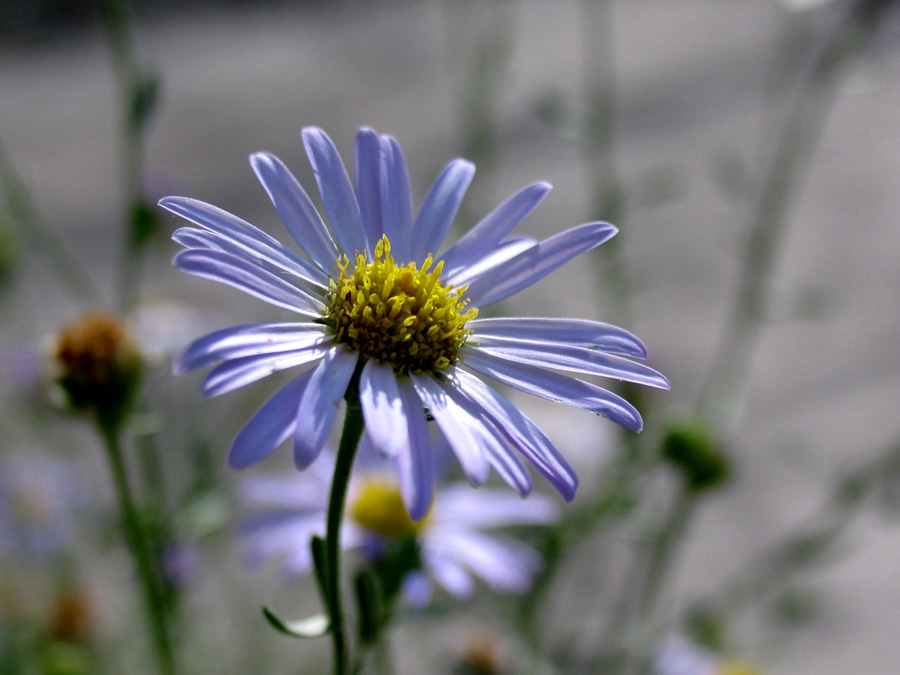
(456, 541)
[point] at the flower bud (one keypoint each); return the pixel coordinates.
(100, 366)
(690, 446)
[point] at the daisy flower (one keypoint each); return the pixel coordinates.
(679, 656)
(383, 311)
(455, 542)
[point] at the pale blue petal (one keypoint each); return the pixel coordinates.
(320, 402)
(555, 387)
(367, 171)
(440, 208)
(336, 190)
(296, 210)
(298, 563)
(576, 332)
(575, 359)
(466, 439)
(505, 565)
(383, 412)
(253, 242)
(459, 506)
(416, 589)
(505, 250)
(396, 200)
(192, 238)
(239, 372)
(492, 442)
(291, 492)
(453, 577)
(520, 431)
(250, 340)
(487, 234)
(537, 262)
(415, 464)
(270, 538)
(269, 427)
(249, 278)
(505, 462)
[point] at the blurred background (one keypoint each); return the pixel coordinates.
(747, 150)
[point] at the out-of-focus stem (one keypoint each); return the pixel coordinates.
(40, 237)
(599, 93)
(480, 37)
(794, 145)
(132, 87)
(136, 537)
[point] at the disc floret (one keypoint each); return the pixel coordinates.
(401, 316)
(379, 508)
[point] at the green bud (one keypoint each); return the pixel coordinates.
(689, 445)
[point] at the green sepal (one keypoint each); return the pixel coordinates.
(313, 626)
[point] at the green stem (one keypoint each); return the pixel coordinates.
(38, 234)
(780, 180)
(661, 559)
(137, 543)
(598, 130)
(136, 103)
(353, 428)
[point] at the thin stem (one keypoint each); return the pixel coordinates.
(660, 563)
(42, 239)
(137, 543)
(137, 94)
(353, 428)
(793, 149)
(599, 84)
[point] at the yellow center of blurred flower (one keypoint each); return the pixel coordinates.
(736, 668)
(379, 507)
(400, 316)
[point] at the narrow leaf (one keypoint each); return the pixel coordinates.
(313, 626)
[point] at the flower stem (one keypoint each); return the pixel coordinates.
(779, 183)
(43, 240)
(137, 543)
(352, 431)
(138, 95)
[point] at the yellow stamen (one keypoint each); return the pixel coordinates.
(400, 316)
(379, 507)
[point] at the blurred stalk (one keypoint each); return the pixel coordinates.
(137, 540)
(808, 545)
(40, 237)
(661, 558)
(599, 92)
(781, 175)
(480, 37)
(137, 94)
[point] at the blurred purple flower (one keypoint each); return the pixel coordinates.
(679, 656)
(455, 539)
(38, 499)
(380, 308)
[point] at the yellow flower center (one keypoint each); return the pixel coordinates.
(736, 668)
(400, 316)
(379, 507)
